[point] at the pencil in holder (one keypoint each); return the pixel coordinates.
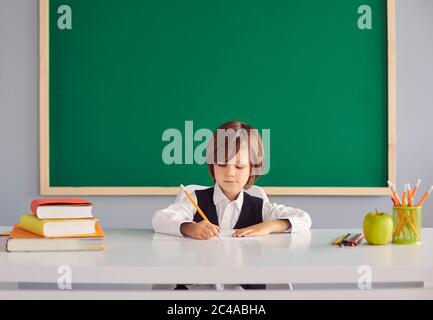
(407, 224)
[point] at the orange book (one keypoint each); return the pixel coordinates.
(24, 241)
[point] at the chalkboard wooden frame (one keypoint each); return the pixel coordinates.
(46, 189)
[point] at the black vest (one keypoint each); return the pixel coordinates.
(251, 212)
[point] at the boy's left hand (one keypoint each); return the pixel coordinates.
(260, 229)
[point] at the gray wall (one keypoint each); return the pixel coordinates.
(19, 160)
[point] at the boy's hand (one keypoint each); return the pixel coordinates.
(264, 228)
(202, 230)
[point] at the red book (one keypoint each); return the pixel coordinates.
(61, 208)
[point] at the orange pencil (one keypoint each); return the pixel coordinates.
(415, 189)
(409, 195)
(404, 195)
(425, 196)
(397, 200)
(194, 203)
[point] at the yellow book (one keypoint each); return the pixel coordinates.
(56, 228)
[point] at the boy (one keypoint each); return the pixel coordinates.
(235, 162)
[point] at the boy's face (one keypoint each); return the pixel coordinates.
(233, 176)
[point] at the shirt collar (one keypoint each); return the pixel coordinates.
(219, 196)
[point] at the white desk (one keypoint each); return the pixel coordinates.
(134, 257)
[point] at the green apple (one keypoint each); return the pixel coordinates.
(378, 227)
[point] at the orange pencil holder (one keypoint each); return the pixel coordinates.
(407, 225)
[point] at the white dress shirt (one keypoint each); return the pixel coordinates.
(170, 219)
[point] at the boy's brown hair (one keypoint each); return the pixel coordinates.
(238, 134)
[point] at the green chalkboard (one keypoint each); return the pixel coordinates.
(124, 72)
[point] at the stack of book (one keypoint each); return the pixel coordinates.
(65, 224)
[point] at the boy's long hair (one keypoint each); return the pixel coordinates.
(229, 139)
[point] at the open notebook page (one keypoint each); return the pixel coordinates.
(225, 235)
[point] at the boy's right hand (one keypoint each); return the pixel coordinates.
(202, 230)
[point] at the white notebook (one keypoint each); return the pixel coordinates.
(225, 235)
